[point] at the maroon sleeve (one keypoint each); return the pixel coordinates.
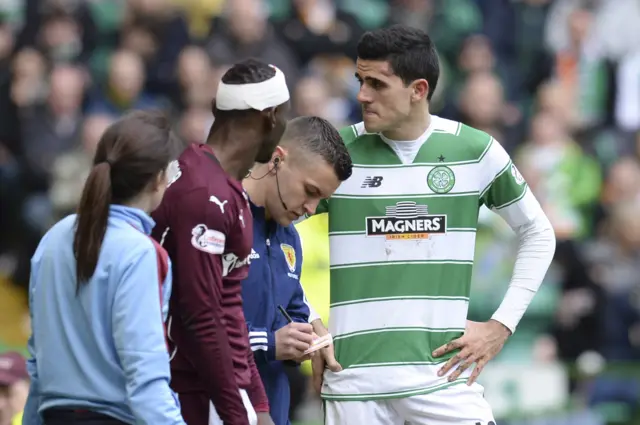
(200, 230)
(256, 391)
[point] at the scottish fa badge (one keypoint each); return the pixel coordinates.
(289, 256)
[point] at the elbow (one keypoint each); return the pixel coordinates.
(548, 235)
(543, 229)
(539, 232)
(202, 331)
(146, 373)
(198, 319)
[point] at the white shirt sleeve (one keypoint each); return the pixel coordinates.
(313, 316)
(536, 247)
(507, 194)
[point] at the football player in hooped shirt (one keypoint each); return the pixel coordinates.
(308, 165)
(205, 224)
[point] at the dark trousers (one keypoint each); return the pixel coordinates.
(195, 407)
(77, 417)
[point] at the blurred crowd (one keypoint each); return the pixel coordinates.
(557, 82)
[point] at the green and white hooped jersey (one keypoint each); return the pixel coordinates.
(402, 241)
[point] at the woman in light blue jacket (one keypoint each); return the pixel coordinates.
(99, 291)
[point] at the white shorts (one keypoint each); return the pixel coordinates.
(457, 404)
(214, 419)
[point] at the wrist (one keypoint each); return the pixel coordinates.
(501, 328)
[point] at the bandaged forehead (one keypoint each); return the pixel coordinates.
(259, 96)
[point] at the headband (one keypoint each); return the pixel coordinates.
(259, 96)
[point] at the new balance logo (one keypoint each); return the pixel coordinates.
(372, 181)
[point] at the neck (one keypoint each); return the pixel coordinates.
(255, 189)
(141, 202)
(411, 129)
(237, 157)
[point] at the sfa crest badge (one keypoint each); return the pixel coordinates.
(289, 256)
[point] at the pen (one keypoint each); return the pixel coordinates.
(285, 314)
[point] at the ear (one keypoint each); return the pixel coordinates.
(270, 117)
(278, 157)
(419, 90)
(160, 180)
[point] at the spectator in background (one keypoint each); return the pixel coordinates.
(622, 184)
(193, 86)
(10, 147)
(14, 387)
(320, 28)
(28, 84)
(565, 180)
(64, 31)
(9, 130)
(482, 105)
(71, 169)
(125, 87)
(53, 127)
(194, 125)
(614, 262)
(245, 32)
(157, 32)
(312, 97)
(50, 127)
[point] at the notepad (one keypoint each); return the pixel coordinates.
(320, 343)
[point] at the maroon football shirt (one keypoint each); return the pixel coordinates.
(205, 224)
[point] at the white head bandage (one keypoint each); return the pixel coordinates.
(259, 96)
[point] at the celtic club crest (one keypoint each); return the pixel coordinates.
(441, 179)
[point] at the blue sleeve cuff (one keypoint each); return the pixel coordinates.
(271, 344)
(263, 344)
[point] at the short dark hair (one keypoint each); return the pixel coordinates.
(409, 51)
(318, 136)
(248, 71)
(129, 155)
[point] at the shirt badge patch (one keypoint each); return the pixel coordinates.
(289, 256)
(207, 240)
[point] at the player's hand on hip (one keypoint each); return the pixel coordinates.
(479, 344)
(264, 419)
(292, 340)
(324, 359)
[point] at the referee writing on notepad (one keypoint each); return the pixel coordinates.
(308, 165)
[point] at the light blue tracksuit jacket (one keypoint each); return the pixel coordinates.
(103, 349)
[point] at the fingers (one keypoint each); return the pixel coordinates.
(317, 367)
(447, 348)
(448, 365)
(334, 366)
(305, 338)
(464, 359)
(305, 328)
(466, 364)
(331, 362)
(297, 344)
(462, 355)
(477, 371)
